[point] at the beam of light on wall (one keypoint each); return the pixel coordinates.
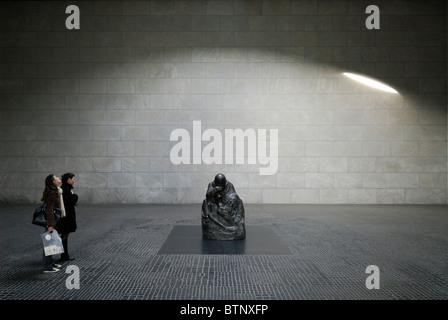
(370, 82)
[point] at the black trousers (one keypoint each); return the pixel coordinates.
(64, 238)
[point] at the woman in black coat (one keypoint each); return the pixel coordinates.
(68, 224)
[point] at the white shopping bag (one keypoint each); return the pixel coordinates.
(52, 243)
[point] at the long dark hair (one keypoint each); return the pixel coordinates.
(49, 186)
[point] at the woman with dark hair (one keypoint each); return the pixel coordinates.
(68, 224)
(51, 198)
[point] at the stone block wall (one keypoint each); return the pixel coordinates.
(103, 100)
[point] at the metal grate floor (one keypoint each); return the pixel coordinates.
(125, 252)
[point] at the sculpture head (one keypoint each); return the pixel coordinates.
(220, 181)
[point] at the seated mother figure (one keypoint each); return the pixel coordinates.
(223, 214)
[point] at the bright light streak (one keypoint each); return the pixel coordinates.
(370, 82)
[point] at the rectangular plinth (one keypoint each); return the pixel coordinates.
(187, 239)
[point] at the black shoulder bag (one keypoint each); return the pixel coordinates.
(39, 215)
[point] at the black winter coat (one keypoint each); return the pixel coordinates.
(68, 224)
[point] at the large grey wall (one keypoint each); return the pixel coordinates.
(103, 100)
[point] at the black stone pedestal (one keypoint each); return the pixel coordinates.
(187, 239)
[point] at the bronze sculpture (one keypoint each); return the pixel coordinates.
(223, 214)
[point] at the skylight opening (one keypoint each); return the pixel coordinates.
(370, 82)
